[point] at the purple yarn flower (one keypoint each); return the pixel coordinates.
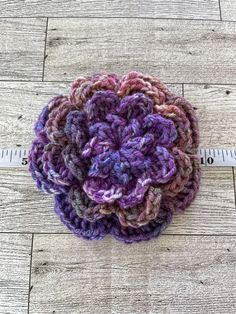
(118, 154)
(126, 144)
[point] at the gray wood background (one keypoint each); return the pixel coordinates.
(191, 268)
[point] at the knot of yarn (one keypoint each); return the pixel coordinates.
(118, 154)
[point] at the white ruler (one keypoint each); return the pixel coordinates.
(217, 157)
(211, 157)
(10, 158)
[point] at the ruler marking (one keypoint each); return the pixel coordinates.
(205, 158)
(226, 157)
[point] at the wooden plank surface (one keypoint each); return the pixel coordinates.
(21, 104)
(175, 274)
(22, 207)
(215, 107)
(177, 51)
(228, 10)
(213, 211)
(22, 48)
(14, 273)
(189, 9)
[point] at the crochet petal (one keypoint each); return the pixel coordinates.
(134, 193)
(76, 128)
(101, 104)
(181, 177)
(84, 228)
(40, 171)
(55, 125)
(151, 230)
(184, 198)
(189, 112)
(83, 88)
(75, 163)
(54, 166)
(163, 129)
(136, 106)
(102, 191)
(162, 166)
(143, 213)
(148, 85)
(84, 206)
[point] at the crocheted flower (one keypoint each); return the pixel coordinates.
(119, 154)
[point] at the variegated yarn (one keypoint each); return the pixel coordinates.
(118, 154)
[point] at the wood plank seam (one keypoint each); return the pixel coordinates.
(67, 34)
(21, 46)
(169, 275)
(165, 233)
(113, 17)
(220, 10)
(234, 186)
(70, 81)
(30, 272)
(45, 47)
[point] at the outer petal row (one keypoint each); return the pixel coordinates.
(110, 224)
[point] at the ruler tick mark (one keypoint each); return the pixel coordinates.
(209, 157)
(205, 159)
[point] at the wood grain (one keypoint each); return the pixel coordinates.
(22, 48)
(213, 211)
(228, 10)
(189, 9)
(215, 107)
(174, 274)
(14, 275)
(21, 103)
(177, 51)
(22, 207)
